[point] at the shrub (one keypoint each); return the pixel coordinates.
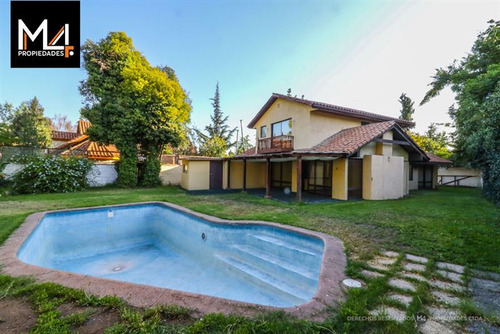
(52, 174)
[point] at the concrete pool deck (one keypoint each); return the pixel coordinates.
(329, 291)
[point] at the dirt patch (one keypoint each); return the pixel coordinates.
(100, 319)
(16, 316)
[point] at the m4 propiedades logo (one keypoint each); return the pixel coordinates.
(45, 34)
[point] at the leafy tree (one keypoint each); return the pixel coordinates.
(61, 123)
(137, 107)
(218, 133)
(213, 147)
(244, 145)
(6, 113)
(433, 141)
(407, 109)
(29, 126)
(475, 80)
(289, 92)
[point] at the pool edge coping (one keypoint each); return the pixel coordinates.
(328, 294)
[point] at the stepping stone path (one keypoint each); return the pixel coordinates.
(403, 299)
(444, 314)
(415, 258)
(382, 263)
(434, 327)
(414, 276)
(449, 266)
(457, 278)
(371, 274)
(391, 312)
(445, 298)
(402, 284)
(390, 254)
(414, 267)
(447, 286)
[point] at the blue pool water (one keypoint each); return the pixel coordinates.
(157, 245)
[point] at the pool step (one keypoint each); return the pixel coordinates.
(273, 261)
(297, 294)
(267, 239)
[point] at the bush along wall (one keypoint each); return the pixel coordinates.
(49, 174)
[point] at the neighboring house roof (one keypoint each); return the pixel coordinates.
(83, 126)
(63, 135)
(438, 160)
(329, 108)
(81, 145)
(250, 151)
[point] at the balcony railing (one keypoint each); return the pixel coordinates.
(275, 144)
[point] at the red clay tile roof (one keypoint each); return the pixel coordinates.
(250, 151)
(329, 108)
(63, 135)
(438, 160)
(83, 126)
(350, 140)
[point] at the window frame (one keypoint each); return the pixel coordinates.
(282, 121)
(263, 127)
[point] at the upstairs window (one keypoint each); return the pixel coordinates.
(282, 128)
(263, 131)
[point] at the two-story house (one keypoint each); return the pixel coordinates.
(324, 149)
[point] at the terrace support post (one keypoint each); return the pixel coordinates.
(228, 174)
(244, 174)
(268, 177)
(299, 178)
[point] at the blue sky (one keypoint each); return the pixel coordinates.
(359, 54)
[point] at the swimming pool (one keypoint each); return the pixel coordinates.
(158, 245)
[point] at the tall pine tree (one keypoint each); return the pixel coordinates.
(407, 108)
(218, 131)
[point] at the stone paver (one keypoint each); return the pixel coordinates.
(402, 284)
(450, 266)
(414, 267)
(403, 299)
(371, 274)
(390, 254)
(444, 314)
(392, 313)
(414, 276)
(388, 261)
(379, 266)
(434, 327)
(415, 258)
(447, 285)
(486, 275)
(486, 295)
(457, 278)
(444, 297)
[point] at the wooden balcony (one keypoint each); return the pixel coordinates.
(275, 144)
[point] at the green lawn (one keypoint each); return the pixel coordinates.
(452, 224)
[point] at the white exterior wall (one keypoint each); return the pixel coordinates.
(101, 175)
(383, 177)
(448, 175)
(171, 174)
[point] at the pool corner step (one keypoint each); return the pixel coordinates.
(297, 294)
(292, 247)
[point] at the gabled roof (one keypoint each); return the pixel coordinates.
(329, 108)
(350, 140)
(63, 135)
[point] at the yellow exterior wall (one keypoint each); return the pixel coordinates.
(197, 175)
(281, 110)
(413, 184)
(383, 177)
(435, 176)
(339, 179)
(368, 149)
(294, 176)
(256, 174)
(324, 125)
